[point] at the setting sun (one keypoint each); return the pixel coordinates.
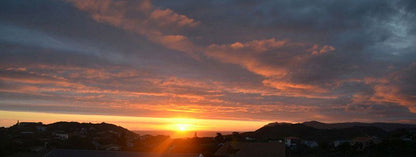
(182, 124)
(182, 127)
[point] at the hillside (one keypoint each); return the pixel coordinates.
(282, 130)
(384, 126)
(37, 139)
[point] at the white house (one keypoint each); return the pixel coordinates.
(61, 136)
(310, 144)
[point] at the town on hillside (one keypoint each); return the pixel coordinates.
(272, 140)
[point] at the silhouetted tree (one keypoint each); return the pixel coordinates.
(219, 138)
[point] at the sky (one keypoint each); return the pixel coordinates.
(145, 64)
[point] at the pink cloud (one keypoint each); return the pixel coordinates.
(317, 50)
(392, 94)
(168, 17)
(257, 45)
(288, 86)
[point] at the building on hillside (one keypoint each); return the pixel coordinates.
(338, 143)
(29, 123)
(61, 136)
(249, 149)
(41, 128)
(37, 148)
(26, 132)
(250, 139)
(310, 144)
(292, 142)
(406, 138)
(362, 142)
(113, 147)
(275, 140)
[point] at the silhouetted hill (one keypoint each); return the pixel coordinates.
(384, 126)
(282, 130)
(75, 126)
(36, 139)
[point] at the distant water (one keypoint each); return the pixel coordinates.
(185, 134)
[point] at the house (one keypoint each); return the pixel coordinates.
(36, 149)
(41, 128)
(112, 147)
(310, 144)
(26, 132)
(338, 143)
(292, 142)
(249, 149)
(275, 140)
(29, 124)
(362, 142)
(250, 139)
(405, 138)
(61, 136)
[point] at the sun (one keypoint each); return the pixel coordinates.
(183, 127)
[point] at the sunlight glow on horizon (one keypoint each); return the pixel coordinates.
(10, 118)
(183, 127)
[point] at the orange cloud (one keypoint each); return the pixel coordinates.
(387, 89)
(257, 45)
(167, 17)
(287, 86)
(391, 94)
(196, 98)
(244, 54)
(317, 50)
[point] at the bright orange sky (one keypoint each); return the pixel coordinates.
(135, 123)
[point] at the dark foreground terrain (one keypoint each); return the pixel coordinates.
(285, 139)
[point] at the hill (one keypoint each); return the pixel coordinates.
(384, 126)
(37, 139)
(282, 130)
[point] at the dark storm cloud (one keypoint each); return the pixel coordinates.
(302, 59)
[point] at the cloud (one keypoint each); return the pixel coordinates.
(287, 60)
(248, 55)
(390, 91)
(400, 89)
(324, 49)
(19, 35)
(272, 59)
(143, 18)
(287, 86)
(167, 17)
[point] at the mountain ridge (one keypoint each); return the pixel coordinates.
(326, 132)
(383, 125)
